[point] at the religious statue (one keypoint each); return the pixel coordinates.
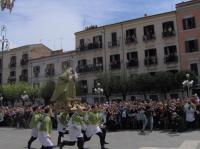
(65, 89)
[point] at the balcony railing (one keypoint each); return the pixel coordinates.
(90, 46)
(11, 79)
(132, 63)
(89, 68)
(23, 77)
(12, 65)
(24, 62)
(49, 72)
(168, 34)
(115, 65)
(150, 61)
(171, 59)
(113, 44)
(131, 40)
(149, 37)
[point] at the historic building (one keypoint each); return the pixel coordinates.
(188, 22)
(144, 45)
(50, 67)
(16, 62)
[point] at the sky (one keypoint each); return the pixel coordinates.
(54, 22)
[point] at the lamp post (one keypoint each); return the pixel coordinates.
(4, 46)
(98, 91)
(1, 100)
(188, 83)
(24, 97)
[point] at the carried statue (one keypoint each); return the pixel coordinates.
(65, 90)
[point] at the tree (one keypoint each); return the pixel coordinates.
(106, 83)
(46, 91)
(164, 82)
(143, 83)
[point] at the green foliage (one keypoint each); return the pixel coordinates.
(46, 91)
(13, 92)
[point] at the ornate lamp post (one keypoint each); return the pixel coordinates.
(98, 91)
(188, 83)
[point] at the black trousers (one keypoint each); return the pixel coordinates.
(31, 140)
(104, 133)
(80, 143)
(60, 135)
(101, 138)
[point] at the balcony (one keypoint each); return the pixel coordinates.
(11, 79)
(114, 44)
(171, 59)
(115, 65)
(131, 40)
(132, 63)
(89, 68)
(12, 65)
(23, 77)
(90, 46)
(168, 34)
(150, 61)
(24, 62)
(149, 37)
(49, 72)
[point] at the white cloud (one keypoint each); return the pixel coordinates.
(48, 21)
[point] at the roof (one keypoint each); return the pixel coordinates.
(187, 3)
(54, 55)
(118, 23)
(29, 46)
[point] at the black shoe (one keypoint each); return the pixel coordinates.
(61, 145)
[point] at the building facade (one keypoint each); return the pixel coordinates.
(143, 45)
(16, 62)
(188, 22)
(50, 67)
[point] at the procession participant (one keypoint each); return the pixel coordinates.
(75, 127)
(45, 129)
(93, 126)
(103, 125)
(62, 122)
(33, 125)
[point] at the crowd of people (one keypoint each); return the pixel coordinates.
(176, 115)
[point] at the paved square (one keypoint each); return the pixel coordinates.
(11, 138)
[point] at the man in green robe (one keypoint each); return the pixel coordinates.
(45, 129)
(33, 125)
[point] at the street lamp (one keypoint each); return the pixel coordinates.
(188, 83)
(4, 46)
(1, 100)
(24, 97)
(98, 91)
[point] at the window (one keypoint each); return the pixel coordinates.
(50, 70)
(149, 33)
(36, 71)
(82, 44)
(170, 54)
(150, 57)
(115, 61)
(131, 36)
(12, 73)
(168, 29)
(82, 87)
(97, 42)
(189, 23)
(13, 61)
(82, 62)
(114, 39)
(98, 61)
(194, 68)
(191, 45)
(132, 58)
